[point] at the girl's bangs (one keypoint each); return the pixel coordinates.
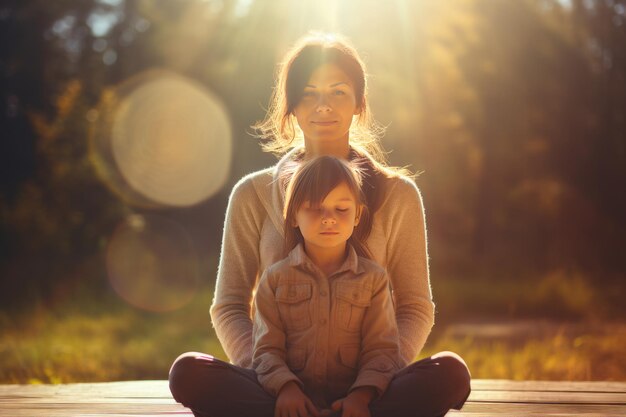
(316, 184)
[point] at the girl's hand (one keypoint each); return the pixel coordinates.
(292, 402)
(356, 404)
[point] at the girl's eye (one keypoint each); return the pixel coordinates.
(342, 210)
(308, 94)
(339, 93)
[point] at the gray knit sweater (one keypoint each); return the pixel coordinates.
(253, 240)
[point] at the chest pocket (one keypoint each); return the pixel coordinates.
(351, 303)
(294, 304)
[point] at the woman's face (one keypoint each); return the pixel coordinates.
(328, 103)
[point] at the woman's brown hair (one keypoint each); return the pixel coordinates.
(278, 129)
(311, 182)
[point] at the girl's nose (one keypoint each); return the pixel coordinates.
(328, 220)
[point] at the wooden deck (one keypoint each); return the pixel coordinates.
(152, 398)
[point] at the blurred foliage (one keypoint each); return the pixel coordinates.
(99, 338)
(559, 295)
(524, 170)
(515, 112)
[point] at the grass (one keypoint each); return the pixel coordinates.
(585, 351)
(87, 338)
(560, 326)
(111, 342)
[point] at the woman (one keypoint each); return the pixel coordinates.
(319, 107)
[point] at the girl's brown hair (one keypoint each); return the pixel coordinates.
(278, 129)
(311, 182)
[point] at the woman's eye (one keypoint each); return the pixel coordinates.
(339, 93)
(308, 94)
(342, 210)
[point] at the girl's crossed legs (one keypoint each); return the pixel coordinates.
(214, 388)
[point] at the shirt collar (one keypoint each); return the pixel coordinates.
(299, 258)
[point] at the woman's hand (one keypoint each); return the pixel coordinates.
(356, 404)
(292, 402)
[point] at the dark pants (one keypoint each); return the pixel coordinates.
(213, 388)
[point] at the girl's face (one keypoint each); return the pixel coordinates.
(328, 103)
(331, 224)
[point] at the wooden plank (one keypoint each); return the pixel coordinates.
(75, 409)
(159, 388)
(553, 397)
(496, 398)
(147, 389)
(560, 386)
(110, 399)
(544, 410)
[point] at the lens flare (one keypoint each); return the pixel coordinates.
(151, 263)
(161, 139)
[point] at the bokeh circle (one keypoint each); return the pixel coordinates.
(162, 139)
(152, 264)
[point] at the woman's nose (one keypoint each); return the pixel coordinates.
(323, 108)
(322, 105)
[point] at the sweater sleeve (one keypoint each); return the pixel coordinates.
(237, 273)
(407, 266)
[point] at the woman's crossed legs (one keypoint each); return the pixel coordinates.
(214, 388)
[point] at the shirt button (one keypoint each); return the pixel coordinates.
(323, 293)
(323, 322)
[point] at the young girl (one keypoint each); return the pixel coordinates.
(320, 107)
(324, 330)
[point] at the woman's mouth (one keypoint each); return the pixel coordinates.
(324, 122)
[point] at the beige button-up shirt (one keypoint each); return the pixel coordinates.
(328, 334)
